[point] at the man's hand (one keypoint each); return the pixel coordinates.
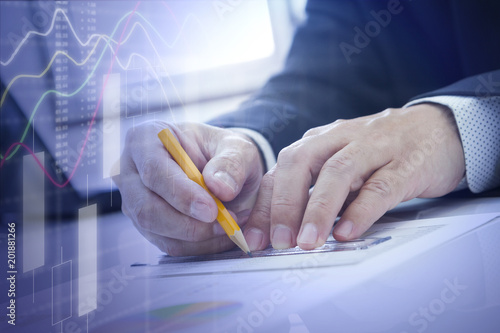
(170, 210)
(379, 160)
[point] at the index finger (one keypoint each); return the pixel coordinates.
(341, 174)
(296, 169)
(257, 228)
(162, 175)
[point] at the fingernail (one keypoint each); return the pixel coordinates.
(254, 237)
(226, 179)
(282, 237)
(201, 211)
(344, 229)
(309, 234)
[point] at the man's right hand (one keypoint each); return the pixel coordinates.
(173, 212)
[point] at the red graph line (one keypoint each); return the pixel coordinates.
(171, 13)
(37, 161)
(91, 122)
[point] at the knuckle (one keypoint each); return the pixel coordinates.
(340, 163)
(244, 143)
(291, 155)
(191, 232)
(379, 186)
(320, 203)
(284, 202)
(142, 213)
(364, 207)
(267, 182)
(234, 166)
(340, 122)
(262, 213)
(312, 132)
(180, 198)
(346, 127)
(149, 172)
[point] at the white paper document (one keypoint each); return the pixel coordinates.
(415, 236)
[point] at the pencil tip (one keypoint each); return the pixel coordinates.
(239, 240)
(250, 254)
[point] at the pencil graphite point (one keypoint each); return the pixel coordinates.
(239, 240)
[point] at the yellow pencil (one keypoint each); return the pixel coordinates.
(223, 217)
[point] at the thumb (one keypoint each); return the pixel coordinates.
(235, 163)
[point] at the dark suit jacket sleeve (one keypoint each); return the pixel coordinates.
(483, 85)
(317, 85)
(349, 60)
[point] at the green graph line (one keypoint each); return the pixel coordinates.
(30, 121)
(63, 94)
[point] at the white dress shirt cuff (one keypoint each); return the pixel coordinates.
(478, 122)
(262, 144)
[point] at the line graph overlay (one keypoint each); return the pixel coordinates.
(15, 146)
(136, 25)
(38, 76)
(163, 67)
(45, 34)
(83, 44)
